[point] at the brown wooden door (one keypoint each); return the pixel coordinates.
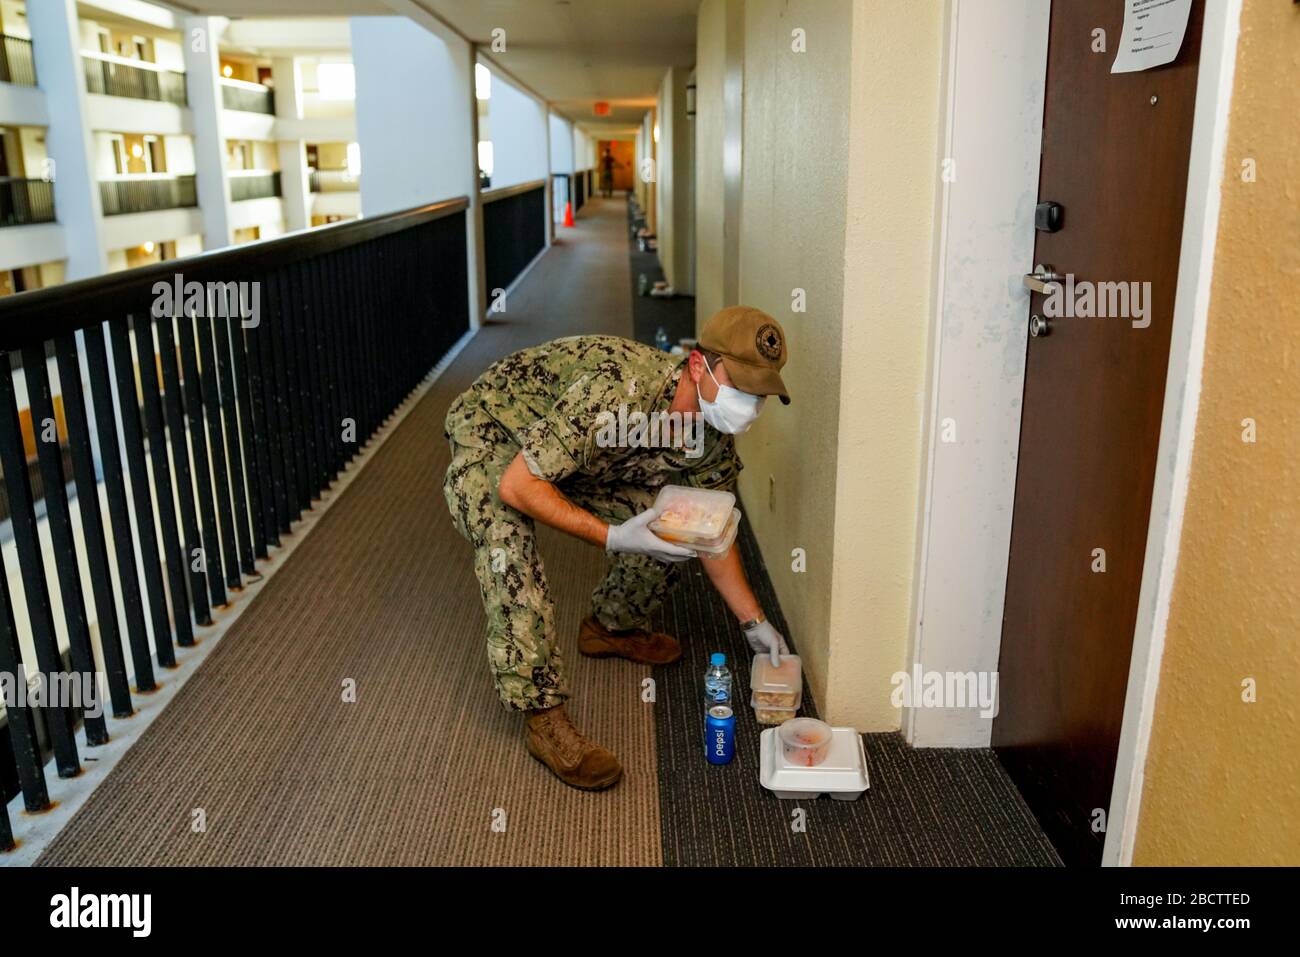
(1114, 156)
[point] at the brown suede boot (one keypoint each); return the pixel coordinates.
(552, 739)
(639, 645)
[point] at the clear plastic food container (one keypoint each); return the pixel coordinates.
(718, 547)
(773, 716)
(804, 741)
(692, 516)
(779, 687)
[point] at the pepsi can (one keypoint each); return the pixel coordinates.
(720, 735)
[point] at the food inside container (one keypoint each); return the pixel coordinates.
(720, 546)
(805, 741)
(692, 516)
(779, 686)
(773, 716)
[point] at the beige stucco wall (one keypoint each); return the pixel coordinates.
(792, 237)
(1222, 779)
(898, 49)
(832, 206)
(718, 129)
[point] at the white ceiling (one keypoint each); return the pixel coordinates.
(572, 52)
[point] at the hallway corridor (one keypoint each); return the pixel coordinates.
(425, 766)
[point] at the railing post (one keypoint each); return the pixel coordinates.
(213, 549)
(118, 510)
(244, 401)
(31, 563)
(217, 444)
(193, 539)
(137, 471)
(92, 523)
(220, 324)
(175, 553)
(22, 726)
(58, 522)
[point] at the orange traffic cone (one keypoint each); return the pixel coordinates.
(568, 214)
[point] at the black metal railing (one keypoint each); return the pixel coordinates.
(256, 186)
(113, 78)
(16, 62)
(254, 415)
(147, 193)
(261, 100)
(332, 181)
(25, 201)
(514, 232)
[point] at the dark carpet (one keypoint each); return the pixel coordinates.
(676, 316)
(926, 807)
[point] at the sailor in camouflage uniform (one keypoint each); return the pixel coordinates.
(536, 438)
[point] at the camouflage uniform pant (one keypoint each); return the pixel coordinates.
(523, 653)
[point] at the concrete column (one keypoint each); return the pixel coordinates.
(69, 141)
(202, 68)
(295, 187)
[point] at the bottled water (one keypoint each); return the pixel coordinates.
(661, 340)
(717, 682)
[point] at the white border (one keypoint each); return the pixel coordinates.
(1178, 423)
(34, 832)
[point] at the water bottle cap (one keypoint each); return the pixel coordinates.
(717, 658)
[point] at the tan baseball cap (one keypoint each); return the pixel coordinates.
(753, 343)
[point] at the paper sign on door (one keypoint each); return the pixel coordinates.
(1152, 35)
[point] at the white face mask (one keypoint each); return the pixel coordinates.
(732, 411)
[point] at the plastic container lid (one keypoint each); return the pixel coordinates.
(692, 515)
(777, 688)
(804, 741)
(717, 658)
(718, 547)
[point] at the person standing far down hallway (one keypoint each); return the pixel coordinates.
(607, 164)
(530, 442)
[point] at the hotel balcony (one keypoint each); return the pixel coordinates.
(147, 192)
(135, 79)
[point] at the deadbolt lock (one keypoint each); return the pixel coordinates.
(1038, 326)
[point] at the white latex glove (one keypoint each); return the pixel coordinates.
(634, 537)
(766, 640)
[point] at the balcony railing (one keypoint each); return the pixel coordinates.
(16, 63)
(142, 194)
(139, 80)
(333, 181)
(228, 431)
(249, 97)
(253, 185)
(25, 201)
(514, 231)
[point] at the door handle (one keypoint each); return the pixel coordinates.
(1042, 279)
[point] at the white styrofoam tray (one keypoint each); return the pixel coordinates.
(843, 775)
